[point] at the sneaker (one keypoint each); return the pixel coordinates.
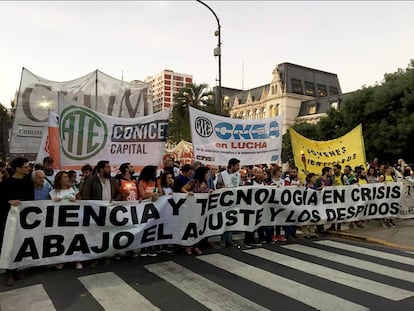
(247, 245)
(188, 251)
(135, 253)
(9, 280)
(117, 257)
(274, 237)
(168, 250)
(197, 251)
(18, 275)
(94, 264)
(152, 254)
(59, 266)
(78, 266)
(143, 253)
(291, 239)
(281, 238)
(256, 243)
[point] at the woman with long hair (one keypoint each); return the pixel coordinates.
(148, 189)
(63, 191)
(199, 184)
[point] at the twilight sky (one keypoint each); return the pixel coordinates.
(61, 41)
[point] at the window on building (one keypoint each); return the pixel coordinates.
(188, 80)
(312, 109)
(296, 86)
(167, 76)
(277, 110)
(333, 90)
(309, 88)
(321, 89)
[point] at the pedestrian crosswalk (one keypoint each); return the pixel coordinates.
(320, 275)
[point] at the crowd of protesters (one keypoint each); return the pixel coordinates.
(26, 181)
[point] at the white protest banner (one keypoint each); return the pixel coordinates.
(46, 232)
(95, 90)
(407, 199)
(216, 139)
(87, 136)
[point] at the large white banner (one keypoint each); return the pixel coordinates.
(87, 136)
(216, 139)
(46, 232)
(95, 90)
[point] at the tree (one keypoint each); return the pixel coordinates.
(386, 112)
(195, 95)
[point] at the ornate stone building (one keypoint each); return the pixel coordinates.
(291, 88)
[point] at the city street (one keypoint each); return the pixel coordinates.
(324, 274)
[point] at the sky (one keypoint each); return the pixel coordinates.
(61, 41)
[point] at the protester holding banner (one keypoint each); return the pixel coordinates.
(199, 184)
(265, 232)
(41, 188)
(12, 191)
(63, 191)
(388, 176)
(229, 178)
(148, 189)
(101, 186)
(278, 181)
(309, 231)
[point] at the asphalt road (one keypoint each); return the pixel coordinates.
(325, 274)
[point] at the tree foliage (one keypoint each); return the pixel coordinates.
(386, 112)
(195, 95)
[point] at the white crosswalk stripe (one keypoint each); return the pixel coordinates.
(113, 293)
(305, 294)
(367, 251)
(213, 296)
(376, 288)
(26, 298)
(302, 276)
(353, 262)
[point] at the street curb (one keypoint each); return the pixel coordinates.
(369, 239)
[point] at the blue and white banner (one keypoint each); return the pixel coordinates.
(216, 139)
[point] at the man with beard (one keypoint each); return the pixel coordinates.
(101, 186)
(49, 171)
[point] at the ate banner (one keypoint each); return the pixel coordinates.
(45, 232)
(87, 136)
(216, 139)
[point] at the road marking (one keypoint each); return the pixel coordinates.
(305, 294)
(26, 298)
(409, 252)
(367, 251)
(112, 293)
(369, 286)
(206, 292)
(353, 262)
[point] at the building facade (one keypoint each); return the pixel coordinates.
(164, 85)
(290, 87)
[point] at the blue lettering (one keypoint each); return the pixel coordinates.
(219, 130)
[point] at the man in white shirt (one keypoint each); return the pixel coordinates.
(229, 178)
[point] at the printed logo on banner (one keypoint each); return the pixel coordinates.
(83, 133)
(203, 127)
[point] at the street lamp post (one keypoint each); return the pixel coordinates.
(217, 52)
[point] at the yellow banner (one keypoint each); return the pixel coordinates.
(312, 155)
